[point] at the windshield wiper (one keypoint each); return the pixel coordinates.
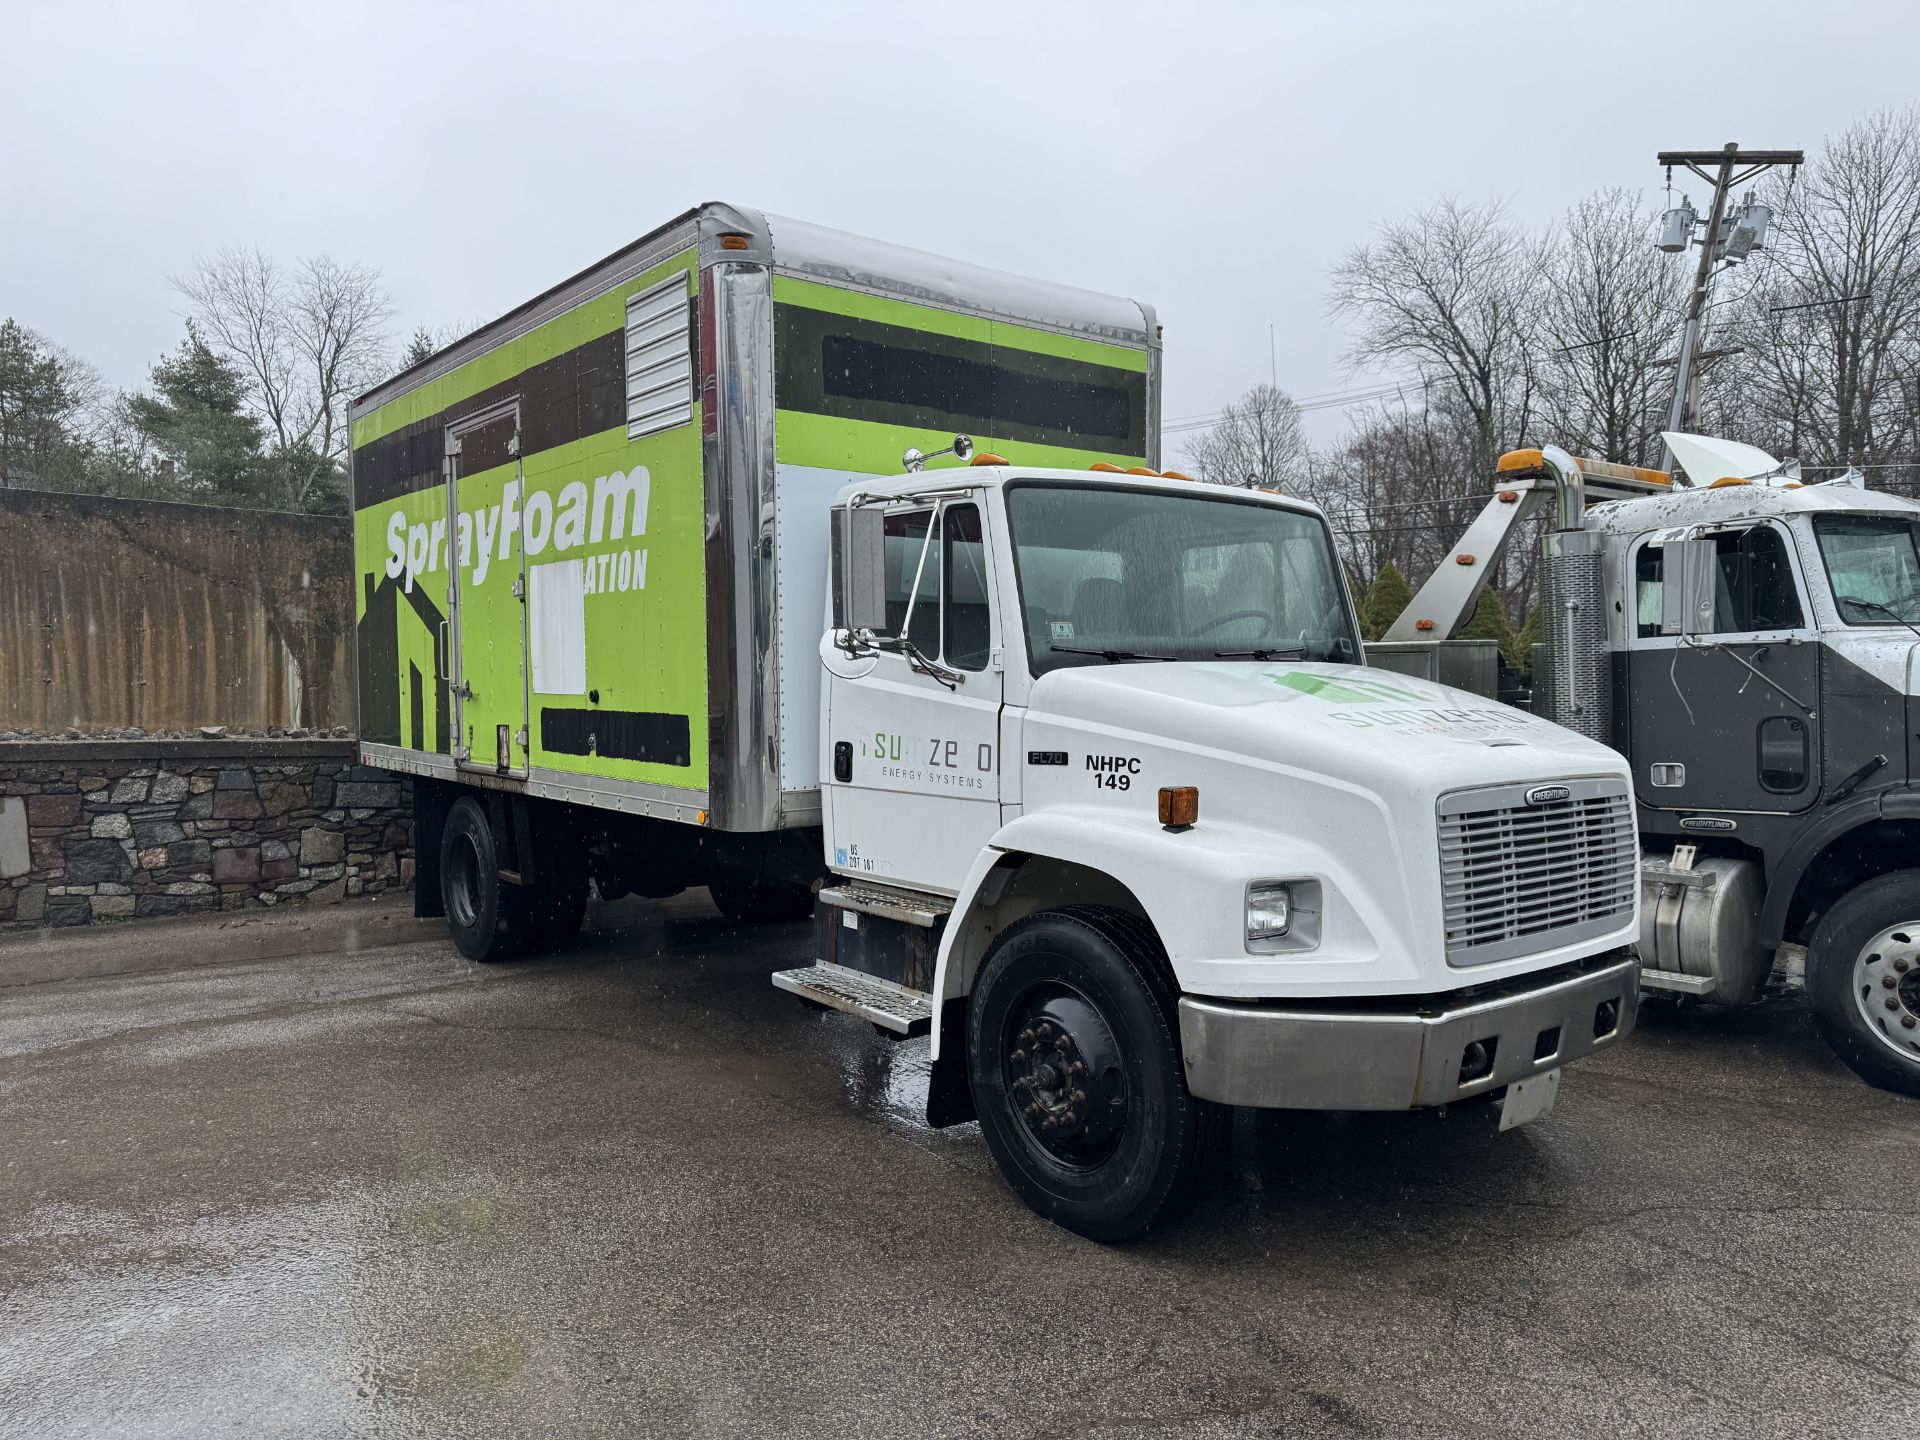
(1878, 608)
(1110, 656)
(1268, 652)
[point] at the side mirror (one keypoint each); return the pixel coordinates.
(859, 568)
(1689, 583)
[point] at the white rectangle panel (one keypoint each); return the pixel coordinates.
(557, 627)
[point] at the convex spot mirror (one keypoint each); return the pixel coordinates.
(1689, 576)
(859, 568)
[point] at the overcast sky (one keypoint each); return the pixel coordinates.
(1211, 159)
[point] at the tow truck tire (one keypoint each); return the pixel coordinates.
(1114, 1146)
(486, 915)
(749, 901)
(1863, 980)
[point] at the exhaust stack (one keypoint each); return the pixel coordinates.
(1576, 687)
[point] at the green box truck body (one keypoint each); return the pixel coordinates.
(591, 538)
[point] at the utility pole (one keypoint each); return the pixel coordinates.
(1729, 160)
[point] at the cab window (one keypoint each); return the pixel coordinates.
(913, 578)
(1755, 588)
(937, 584)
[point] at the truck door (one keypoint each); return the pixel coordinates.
(1725, 721)
(916, 733)
(488, 617)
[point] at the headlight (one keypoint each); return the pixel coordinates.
(1269, 911)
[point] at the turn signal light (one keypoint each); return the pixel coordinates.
(1423, 624)
(1179, 806)
(987, 457)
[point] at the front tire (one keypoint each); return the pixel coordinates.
(486, 915)
(1073, 1057)
(1863, 980)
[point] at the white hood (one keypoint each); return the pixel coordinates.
(1382, 729)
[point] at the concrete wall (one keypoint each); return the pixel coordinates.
(113, 830)
(118, 613)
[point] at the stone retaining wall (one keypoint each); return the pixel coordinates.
(111, 830)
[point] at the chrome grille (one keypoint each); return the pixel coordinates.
(1518, 877)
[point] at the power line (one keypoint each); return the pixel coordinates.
(1331, 400)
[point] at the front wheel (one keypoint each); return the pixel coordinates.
(1863, 980)
(1074, 1062)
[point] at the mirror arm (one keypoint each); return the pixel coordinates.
(1695, 642)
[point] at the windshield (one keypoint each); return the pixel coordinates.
(1108, 575)
(1873, 565)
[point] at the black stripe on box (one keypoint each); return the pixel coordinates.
(618, 735)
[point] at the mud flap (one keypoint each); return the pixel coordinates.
(949, 1096)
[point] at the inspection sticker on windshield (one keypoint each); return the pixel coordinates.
(1530, 1098)
(1060, 629)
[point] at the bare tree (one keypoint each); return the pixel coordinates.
(1394, 493)
(1831, 327)
(1258, 441)
(1610, 310)
(307, 340)
(1453, 294)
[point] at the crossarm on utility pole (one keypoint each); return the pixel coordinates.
(1453, 590)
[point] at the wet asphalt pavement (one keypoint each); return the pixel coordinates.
(637, 1191)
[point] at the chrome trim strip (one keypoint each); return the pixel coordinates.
(738, 460)
(628, 797)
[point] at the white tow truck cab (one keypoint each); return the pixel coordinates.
(1114, 807)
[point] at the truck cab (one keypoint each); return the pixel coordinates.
(1748, 641)
(1114, 807)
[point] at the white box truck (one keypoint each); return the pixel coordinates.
(1077, 763)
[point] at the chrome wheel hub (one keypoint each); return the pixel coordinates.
(1886, 987)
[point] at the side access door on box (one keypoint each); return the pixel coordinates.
(488, 587)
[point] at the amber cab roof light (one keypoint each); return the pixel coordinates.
(987, 457)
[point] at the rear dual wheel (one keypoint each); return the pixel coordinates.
(492, 920)
(1074, 1062)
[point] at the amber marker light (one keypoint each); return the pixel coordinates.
(1520, 460)
(1179, 807)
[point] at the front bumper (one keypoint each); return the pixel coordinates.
(1298, 1058)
